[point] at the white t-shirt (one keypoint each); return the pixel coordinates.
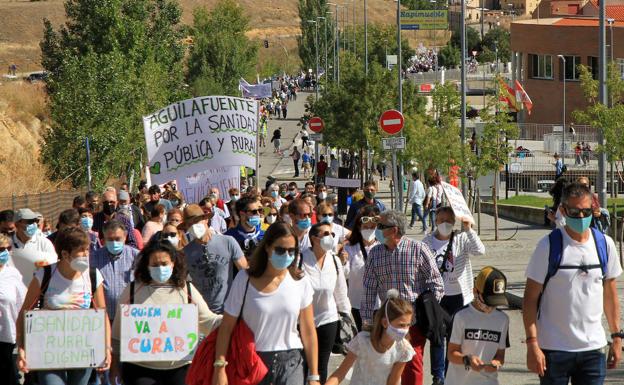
(571, 307)
(354, 270)
(12, 293)
(37, 251)
(341, 233)
(272, 317)
(329, 285)
(479, 334)
(64, 293)
(372, 367)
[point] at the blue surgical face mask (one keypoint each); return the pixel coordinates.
(86, 223)
(31, 230)
(282, 261)
(161, 274)
(578, 225)
(329, 219)
(254, 221)
(4, 257)
(114, 247)
(380, 236)
(304, 224)
(275, 194)
(292, 193)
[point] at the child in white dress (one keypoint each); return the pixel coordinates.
(379, 357)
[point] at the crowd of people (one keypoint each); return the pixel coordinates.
(424, 61)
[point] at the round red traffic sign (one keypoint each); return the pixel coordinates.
(316, 124)
(391, 121)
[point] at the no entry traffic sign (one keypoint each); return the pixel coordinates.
(391, 121)
(316, 124)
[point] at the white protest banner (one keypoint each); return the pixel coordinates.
(197, 186)
(158, 332)
(207, 132)
(345, 183)
(457, 202)
(60, 339)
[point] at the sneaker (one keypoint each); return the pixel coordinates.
(437, 381)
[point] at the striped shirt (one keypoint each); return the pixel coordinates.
(117, 271)
(410, 268)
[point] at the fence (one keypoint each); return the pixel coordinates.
(533, 131)
(49, 204)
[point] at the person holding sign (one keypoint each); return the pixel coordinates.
(66, 285)
(12, 291)
(273, 297)
(159, 278)
(453, 251)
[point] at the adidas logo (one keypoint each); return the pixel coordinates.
(482, 335)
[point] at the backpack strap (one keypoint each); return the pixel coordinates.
(601, 247)
(93, 279)
(132, 293)
(45, 282)
(363, 250)
(189, 296)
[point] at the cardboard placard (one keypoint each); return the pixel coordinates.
(457, 202)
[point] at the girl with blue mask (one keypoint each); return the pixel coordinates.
(273, 292)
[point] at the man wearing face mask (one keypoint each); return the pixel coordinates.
(155, 199)
(248, 232)
(570, 284)
(109, 207)
(321, 193)
(400, 262)
(292, 192)
(116, 262)
(300, 213)
(452, 251)
(369, 199)
(124, 203)
(219, 203)
(210, 258)
(7, 222)
(31, 249)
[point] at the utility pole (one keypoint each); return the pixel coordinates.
(602, 92)
(462, 29)
(317, 57)
(366, 37)
(563, 113)
(398, 183)
(325, 69)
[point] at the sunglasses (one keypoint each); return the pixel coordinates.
(576, 213)
(283, 250)
(169, 235)
(307, 215)
(255, 211)
(109, 202)
(31, 221)
(326, 233)
(381, 226)
(3, 249)
(327, 215)
(369, 220)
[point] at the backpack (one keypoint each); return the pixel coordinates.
(47, 276)
(555, 253)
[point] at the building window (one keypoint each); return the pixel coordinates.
(592, 62)
(541, 66)
(571, 67)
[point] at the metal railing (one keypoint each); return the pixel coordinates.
(49, 204)
(533, 131)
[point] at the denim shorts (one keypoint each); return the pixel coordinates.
(285, 367)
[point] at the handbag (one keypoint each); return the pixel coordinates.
(245, 365)
(347, 329)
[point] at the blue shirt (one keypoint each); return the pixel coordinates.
(559, 167)
(118, 272)
(246, 240)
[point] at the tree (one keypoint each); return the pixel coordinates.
(497, 38)
(221, 53)
(309, 10)
(449, 56)
(111, 63)
(382, 40)
(473, 40)
(425, 4)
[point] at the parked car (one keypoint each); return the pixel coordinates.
(37, 76)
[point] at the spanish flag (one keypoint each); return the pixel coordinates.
(523, 97)
(508, 95)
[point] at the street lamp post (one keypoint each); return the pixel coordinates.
(316, 86)
(563, 114)
(386, 51)
(366, 37)
(325, 69)
(398, 184)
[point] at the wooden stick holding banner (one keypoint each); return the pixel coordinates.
(158, 332)
(458, 203)
(65, 339)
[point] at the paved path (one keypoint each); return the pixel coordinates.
(510, 254)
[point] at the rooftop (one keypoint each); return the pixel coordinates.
(569, 21)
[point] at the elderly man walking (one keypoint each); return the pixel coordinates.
(406, 265)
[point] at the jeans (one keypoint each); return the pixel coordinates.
(431, 213)
(285, 367)
(8, 370)
(64, 377)
(451, 304)
(413, 372)
(417, 210)
(583, 368)
(296, 163)
(325, 335)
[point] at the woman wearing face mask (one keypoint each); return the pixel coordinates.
(275, 298)
(327, 276)
(69, 288)
(359, 243)
(155, 223)
(270, 218)
(86, 223)
(453, 251)
(325, 214)
(169, 233)
(160, 278)
(12, 292)
(380, 356)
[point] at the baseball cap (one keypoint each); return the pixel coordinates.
(123, 196)
(26, 214)
(492, 284)
(192, 211)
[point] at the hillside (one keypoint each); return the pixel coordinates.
(22, 27)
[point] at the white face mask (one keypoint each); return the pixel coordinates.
(270, 219)
(445, 229)
(322, 195)
(368, 234)
(287, 219)
(198, 230)
(173, 240)
(327, 243)
(80, 264)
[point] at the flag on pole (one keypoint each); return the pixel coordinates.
(523, 97)
(508, 95)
